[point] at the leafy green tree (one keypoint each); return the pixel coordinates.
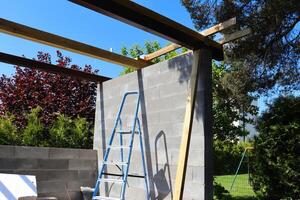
(269, 57)
(276, 171)
(137, 51)
(71, 133)
(30, 88)
(8, 131)
(33, 134)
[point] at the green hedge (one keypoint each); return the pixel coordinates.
(64, 132)
(227, 156)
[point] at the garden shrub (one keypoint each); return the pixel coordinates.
(8, 131)
(33, 134)
(276, 171)
(220, 193)
(66, 132)
(227, 156)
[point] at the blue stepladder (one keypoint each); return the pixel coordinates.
(124, 163)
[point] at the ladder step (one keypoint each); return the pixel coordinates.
(111, 180)
(126, 132)
(114, 163)
(118, 147)
(105, 198)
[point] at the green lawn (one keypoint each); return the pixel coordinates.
(241, 187)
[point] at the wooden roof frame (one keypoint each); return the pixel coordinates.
(152, 22)
(128, 12)
(33, 64)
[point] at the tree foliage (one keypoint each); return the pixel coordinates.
(8, 131)
(269, 57)
(29, 88)
(63, 132)
(137, 51)
(276, 171)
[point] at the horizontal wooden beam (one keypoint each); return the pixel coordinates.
(39, 36)
(33, 64)
(234, 36)
(219, 27)
(210, 31)
(162, 51)
(150, 21)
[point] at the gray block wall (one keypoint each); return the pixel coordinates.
(163, 89)
(59, 172)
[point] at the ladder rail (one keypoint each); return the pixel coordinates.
(131, 145)
(144, 161)
(136, 129)
(96, 190)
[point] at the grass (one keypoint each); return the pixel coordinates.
(241, 188)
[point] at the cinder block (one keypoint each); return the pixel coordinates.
(51, 187)
(7, 151)
(87, 154)
(164, 90)
(52, 164)
(82, 164)
(62, 153)
(88, 174)
(76, 184)
(32, 152)
(64, 195)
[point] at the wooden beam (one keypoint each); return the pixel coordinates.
(162, 51)
(150, 21)
(219, 27)
(187, 129)
(39, 36)
(201, 76)
(235, 36)
(210, 31)
(24, 62)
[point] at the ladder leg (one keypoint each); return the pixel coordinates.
(143, 161)
(121, 150)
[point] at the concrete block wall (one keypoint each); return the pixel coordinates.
(59, 172)
(163, 89)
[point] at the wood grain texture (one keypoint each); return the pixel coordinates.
(187, 129)
(24, 62)
(210, 31)
(39, 36)
(150, 21)
(234, 36)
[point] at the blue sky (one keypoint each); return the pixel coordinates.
(69, 20)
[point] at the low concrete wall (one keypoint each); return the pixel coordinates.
(59, 172)
(163, 89)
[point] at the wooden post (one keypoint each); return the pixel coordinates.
(201, 70)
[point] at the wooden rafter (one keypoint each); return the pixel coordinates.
(150, 21)
(234, 36)
(24, 62)
(210, 31)
(39, 36)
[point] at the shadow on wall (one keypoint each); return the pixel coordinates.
(184, 66)
(145, 131)
(162, 183)
(160, 177)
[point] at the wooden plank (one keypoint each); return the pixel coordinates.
(150, 21)
(24, 62)
(187, 128)
(39, 36)
(235, 36)
(219, 27)
(210, 31)
(161, 51)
